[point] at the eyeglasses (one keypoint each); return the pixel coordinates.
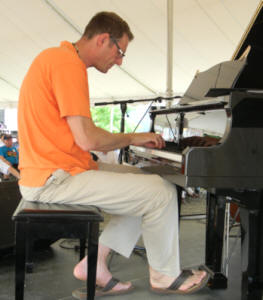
(121, 54)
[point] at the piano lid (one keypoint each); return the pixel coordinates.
(243, 72)
(251, 77)
(253, 33)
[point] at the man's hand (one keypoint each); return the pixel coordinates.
(149, 140)
(92, 138)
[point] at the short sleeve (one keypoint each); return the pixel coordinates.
(70, 86)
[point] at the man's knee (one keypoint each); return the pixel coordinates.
(163, 190)
(170, 191)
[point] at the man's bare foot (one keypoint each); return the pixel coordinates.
(159, 280)
(103, 273)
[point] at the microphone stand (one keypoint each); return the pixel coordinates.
(123, 107)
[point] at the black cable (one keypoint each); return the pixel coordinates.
(73, 244)
(170, 127)
(140, 252)
(219, 71)
(143, 116)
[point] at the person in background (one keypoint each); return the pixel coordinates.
(2, 125)
(8, 151)
(1, 140)
(16, 143)
(6, 169)
(56, 136)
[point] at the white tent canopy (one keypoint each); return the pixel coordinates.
(203, 33)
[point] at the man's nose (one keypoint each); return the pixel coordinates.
(119, 61)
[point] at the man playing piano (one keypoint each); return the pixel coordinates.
(56, 135)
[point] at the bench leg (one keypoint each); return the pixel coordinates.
(92, 259)
(20, 260)
(29, 254)
(82, 246)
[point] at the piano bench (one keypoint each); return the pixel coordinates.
(35, 220)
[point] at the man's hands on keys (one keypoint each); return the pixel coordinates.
(199, 141)
(153, 140)
(149, 140)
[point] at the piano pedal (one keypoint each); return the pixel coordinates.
(217, 280)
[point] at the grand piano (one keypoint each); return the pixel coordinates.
(225, 101)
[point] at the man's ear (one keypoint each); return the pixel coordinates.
(102, 39)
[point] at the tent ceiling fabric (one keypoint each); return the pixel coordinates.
(205, 33)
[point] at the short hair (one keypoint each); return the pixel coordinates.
(7, 137)
(108, 22)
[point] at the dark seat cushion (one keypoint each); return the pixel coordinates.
(37, 210)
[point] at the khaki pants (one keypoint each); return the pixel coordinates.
(140, 204)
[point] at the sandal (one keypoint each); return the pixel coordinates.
(81, 293)
(174, 287)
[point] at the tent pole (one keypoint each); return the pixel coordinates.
(169, 82)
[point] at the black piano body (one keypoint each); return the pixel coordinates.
(231, 170)
(235, 163)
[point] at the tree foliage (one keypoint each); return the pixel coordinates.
(102, 118)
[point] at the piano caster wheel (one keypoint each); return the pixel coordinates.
(29, 267)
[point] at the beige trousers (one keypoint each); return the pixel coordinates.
(140, 204)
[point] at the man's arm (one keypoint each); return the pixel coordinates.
(14, 172)
(90, 137)
(4, 160)
(6, 168)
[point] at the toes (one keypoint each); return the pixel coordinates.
(122, 286)
(198, 275)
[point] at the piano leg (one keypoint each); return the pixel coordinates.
(179, 199)
(251, 220)
(215, 239)
(252, 251)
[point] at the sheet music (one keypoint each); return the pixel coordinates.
(223, 75)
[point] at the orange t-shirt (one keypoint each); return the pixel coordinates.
(54, 87)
